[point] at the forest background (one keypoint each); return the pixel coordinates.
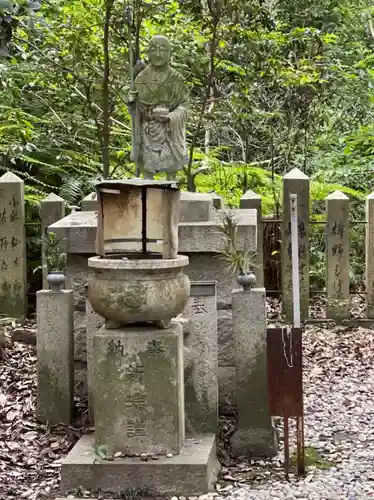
(274, 84)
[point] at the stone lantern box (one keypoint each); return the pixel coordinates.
(138, 218)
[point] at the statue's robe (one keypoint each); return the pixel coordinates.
(162, 146)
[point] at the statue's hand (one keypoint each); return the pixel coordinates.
(132, 96)
(160, 115)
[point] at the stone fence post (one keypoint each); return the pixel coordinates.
(255, 435)
(295, 182)
(337, 256)
(55, 353)
(13, 283)
(254, 201)
(201, 367)
(52, 209)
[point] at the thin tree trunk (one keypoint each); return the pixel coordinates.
(105, 92)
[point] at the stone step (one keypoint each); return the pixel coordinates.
(193, 472)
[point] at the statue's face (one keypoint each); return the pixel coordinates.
(159, 52)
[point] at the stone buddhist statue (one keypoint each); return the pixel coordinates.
(158, 103)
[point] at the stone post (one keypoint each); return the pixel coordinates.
(295, 182)
(89, 203)
(52, 209)
(337, 256)
(369, 255)
(93, 323)
(138, 390)
(55, 353)
(255, 436)
(13, 284)
(201, 372)
(254, 201)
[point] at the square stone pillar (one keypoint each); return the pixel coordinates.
(13, 286)
(55, 360)
(337, 256)
(255, 436)
(295, 182)
(138, 390)
(201, 373)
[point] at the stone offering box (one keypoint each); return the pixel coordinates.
(197, 238)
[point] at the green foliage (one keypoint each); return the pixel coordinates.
(237, 258)
(273, 85)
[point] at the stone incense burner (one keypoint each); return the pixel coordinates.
(137, 274)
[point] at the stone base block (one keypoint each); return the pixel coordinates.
(193, 472)
(254, 443)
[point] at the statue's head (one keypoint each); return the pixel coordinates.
(159, 51)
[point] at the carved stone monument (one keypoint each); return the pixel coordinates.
(138, 286)
(158, 104)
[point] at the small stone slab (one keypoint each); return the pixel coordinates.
(193, 472)
(196, 207)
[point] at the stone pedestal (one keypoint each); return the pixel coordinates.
(55, 360)
(255, 436)
(193, 472)
(138, 390)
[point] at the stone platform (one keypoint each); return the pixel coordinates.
(193, 472)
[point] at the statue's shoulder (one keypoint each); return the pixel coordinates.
(143, 76)
(176, 76)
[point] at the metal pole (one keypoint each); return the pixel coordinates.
(296, 319)
(295, 262)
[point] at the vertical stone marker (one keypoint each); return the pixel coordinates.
(337, 256)
(201, 382)
(369, 255)
(255, 436)
(13, 285)
(295, 182)
(138, 390)
(89, 203)
(55, 360)
(252, 200)
(52, 209)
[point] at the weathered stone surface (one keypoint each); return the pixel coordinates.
(337, 256)
(138, 290)
(89, 203)
(193, 472)
(78, 232)
(138, 390)
(227, 388)
(254, 436)
(93, 323)
(77, 275)
(196, 207)
(295, 182)
(201, 384)
(226, 343)
(80, 326)
(52, 209)
(55, 348)
(369, 255)
(13, 285)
